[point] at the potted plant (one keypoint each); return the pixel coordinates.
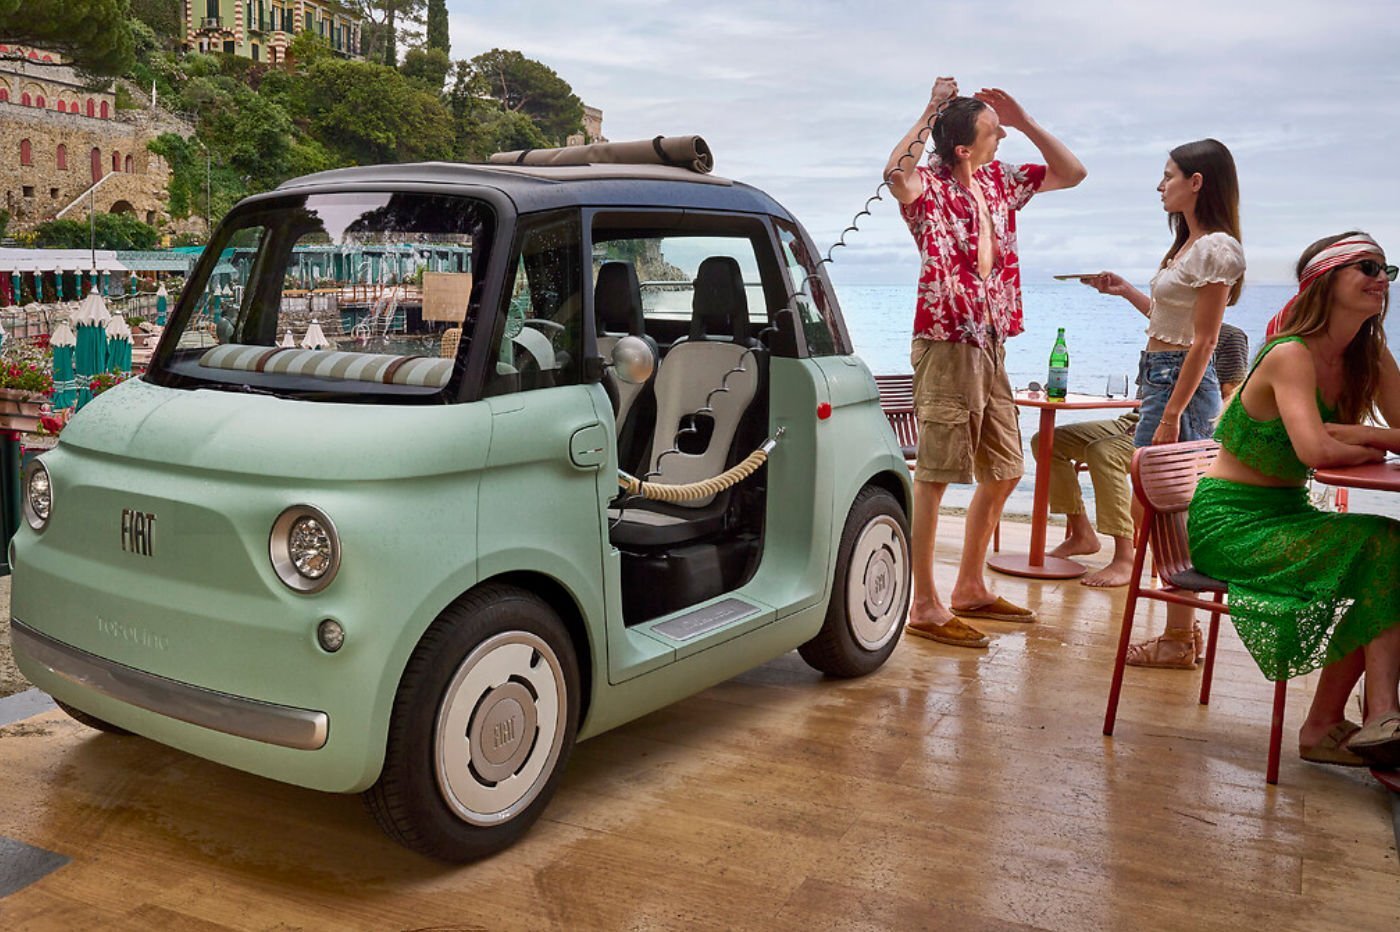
(26, 381)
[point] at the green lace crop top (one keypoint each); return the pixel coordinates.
(1263, 445)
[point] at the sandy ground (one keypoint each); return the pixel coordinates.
(11, 680)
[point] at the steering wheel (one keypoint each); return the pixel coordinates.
(549, 328)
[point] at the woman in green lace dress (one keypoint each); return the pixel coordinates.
(1312, 589)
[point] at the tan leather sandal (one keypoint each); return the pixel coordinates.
(1175, 649)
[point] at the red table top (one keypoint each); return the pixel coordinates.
(1074, 401)
(1384, 477)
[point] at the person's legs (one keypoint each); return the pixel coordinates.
(941, 371)
(1109, 459)
(1065, 496)
(1329, 702)
(998, 465)
(1383, 674)
(926, 607)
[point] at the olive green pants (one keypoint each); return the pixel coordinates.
(1106, 447)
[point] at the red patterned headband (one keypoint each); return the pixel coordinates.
(1340, 253)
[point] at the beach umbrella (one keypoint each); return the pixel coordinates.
(18, 286)
(118, 346)
(288, 340)
(90, 355)
(58, 284)
(64, 343)
(315, 338)
(162, 302)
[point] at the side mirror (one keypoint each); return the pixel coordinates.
(633, 360)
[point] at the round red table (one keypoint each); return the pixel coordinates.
(1036, 564)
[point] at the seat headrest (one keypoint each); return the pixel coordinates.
(617, 299)
(720, 306)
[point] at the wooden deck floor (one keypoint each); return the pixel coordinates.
(953, 789)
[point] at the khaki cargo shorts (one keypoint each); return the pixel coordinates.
(968, 425)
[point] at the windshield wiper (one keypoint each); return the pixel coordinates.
(240, 388)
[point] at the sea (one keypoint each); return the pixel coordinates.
(1105, 334)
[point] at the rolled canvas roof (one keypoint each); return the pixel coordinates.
(690, 152)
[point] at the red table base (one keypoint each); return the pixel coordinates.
(1019, 564)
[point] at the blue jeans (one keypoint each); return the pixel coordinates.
(1157, 374)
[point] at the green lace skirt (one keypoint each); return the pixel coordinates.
(1307, 587)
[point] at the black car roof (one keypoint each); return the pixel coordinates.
(533, 188)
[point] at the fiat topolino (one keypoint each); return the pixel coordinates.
(360, 525)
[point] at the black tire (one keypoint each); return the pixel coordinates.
(496, 662)
(870, 592)
(91, 721)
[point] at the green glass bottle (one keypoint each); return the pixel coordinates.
(1057, 384)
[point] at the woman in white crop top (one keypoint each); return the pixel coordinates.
(1199, 277)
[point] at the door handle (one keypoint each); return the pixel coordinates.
(588, 446)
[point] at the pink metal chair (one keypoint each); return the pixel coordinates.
(1164, 479)
(897, 401)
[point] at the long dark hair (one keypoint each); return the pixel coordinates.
(956, 126)
(1217, 205)
(1362, 357)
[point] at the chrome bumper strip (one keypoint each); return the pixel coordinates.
(284, 726)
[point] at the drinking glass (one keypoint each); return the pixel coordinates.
(1117, 386)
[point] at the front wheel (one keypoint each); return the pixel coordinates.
(483, 723)
(870, 592)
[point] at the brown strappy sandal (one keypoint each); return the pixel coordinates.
(1173, 650)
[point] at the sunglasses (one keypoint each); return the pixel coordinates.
(1371, 268)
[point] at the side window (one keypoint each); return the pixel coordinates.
(816, 311)
(538, 337)
(667, 267)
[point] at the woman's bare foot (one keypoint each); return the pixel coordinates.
(1081, 541)
(1117, 573)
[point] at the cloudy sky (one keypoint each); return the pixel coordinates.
(806, 99)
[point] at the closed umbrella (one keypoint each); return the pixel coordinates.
(65, 393)
(288, 340)
(90, 357)
(315, 337)
(118, 346)
(58, 284)
(162, 302)
(17, 284)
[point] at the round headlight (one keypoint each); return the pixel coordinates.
(304, 548)
(38, 495)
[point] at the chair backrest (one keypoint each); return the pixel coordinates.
(451, 338)
(701, 372)
(1164, 479)
(896, 391)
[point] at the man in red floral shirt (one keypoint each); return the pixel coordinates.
(961, 210)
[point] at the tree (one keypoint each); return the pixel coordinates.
(368, 114)
(426, 68)
(94, 35)
(437, 27)
(385, 23)
(162, 16)
(112, 231)
(523, 85)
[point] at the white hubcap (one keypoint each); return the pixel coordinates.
(877, 587)
(499, 728)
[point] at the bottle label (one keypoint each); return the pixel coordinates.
(1057, 385)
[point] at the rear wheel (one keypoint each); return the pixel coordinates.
(483, 723)
(870, 592)
(91, 721)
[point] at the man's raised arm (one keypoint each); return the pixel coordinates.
(1062, 169)
(900, 169)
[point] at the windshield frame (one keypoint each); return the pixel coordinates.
(496, 205)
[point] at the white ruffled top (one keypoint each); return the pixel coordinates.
(118, 329)
(1215, 257)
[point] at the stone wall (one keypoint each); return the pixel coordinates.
(49, 157)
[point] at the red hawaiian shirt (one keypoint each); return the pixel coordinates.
(954, 304)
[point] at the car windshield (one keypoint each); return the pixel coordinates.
(356, 293)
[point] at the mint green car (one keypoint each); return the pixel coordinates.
(361, 527)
